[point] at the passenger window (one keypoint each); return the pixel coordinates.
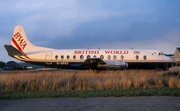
(145, 57)
(56, 57)
(88, 57)
(109, 57)
(62, 57)
(81, 57)
(114, 57)
(101, 57)
(74, 57)
(68, 57)
(94, 56)
(122, 57)
(137, 57)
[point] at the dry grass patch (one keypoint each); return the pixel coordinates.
(64, 81)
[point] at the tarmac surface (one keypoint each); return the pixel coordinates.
(163, 103)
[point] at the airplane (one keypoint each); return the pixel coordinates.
(22, 49)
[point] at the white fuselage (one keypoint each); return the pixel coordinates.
(137, 57)
(80, 55)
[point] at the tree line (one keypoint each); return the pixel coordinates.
(2, 64)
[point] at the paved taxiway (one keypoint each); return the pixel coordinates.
(93, 104)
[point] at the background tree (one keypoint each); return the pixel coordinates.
(2, 64)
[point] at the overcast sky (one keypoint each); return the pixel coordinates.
(60, 24)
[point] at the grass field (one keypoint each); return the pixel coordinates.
(79, 82)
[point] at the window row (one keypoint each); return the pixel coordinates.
(144, 57)
(101, 57)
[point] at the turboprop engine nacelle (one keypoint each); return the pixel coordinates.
(114, 65)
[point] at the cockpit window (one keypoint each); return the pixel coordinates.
(158, 53)
(161, 53)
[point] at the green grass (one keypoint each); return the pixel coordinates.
(165, 91)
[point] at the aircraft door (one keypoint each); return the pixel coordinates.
(48, 57)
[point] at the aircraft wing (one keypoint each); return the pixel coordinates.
(97, 63)
(93, 62)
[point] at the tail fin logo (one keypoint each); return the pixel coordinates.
(19, 41)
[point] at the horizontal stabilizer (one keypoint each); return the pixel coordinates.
(13, 51)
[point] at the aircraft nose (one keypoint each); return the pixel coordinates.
(169, 59)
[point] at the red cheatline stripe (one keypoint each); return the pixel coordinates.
(19, 48)
(27, 57)
(15, 43)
